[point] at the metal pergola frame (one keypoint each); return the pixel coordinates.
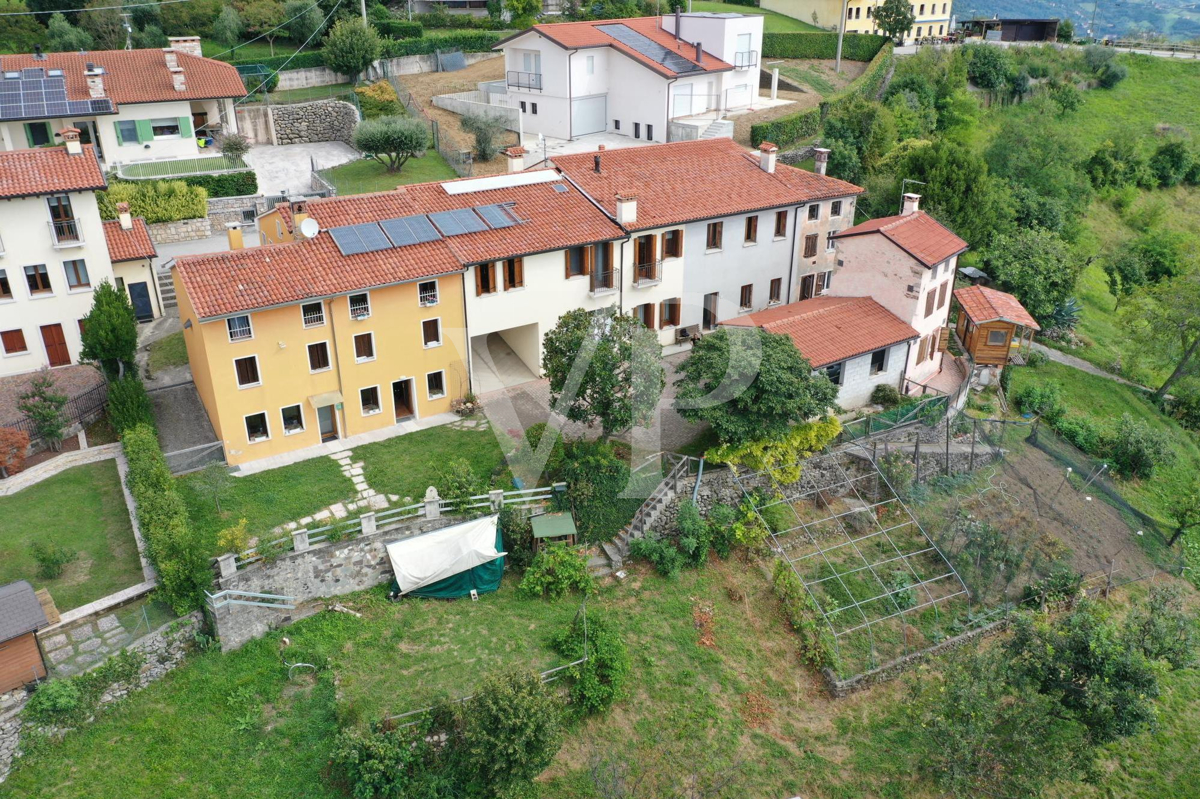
(812, 490)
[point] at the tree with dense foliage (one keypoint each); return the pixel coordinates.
(1117, 164)
(1164, 323)
(149, 37)
(19, 31)
(988, 67)
(895, 18)
(485, 130)
(960, 190)
(391, 140)
(390, 761)
(305, 20)
(350, 47)
(1035, 265)
(1171, 162)
(750, 385)
(63, 37)
(603, 367)
(1186, 513)
(1126, 273)
(110, 331)
(227, 28)
(1161, 626)
(523, 13)
(868, 127)
(105, 24)
(262, 18)
(1066, 31)
(1066, 97)
(43, 404)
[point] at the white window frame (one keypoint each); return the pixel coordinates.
(591, 65)
(830, 244)
(328, 356)
(266, 422)
(441, 337)
(169, 136)
(437, 293)
(12, 293)
(229, 330)
(354, 343)
(378, 397)
(257, 368)
(871, 358)
(429, 396)
(128, 141)
(312, 324)
(283, 424)
(350, 305)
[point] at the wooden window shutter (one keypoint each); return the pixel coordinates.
(943, 339)
(921, 351)
(567, 263)
(145, 131)
(520, 271)
(479, 280)
(504, 274)
(650, 314)
(654, 257)
(589, 255)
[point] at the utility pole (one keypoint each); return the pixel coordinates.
(363, 4)
(841, 33)
(1095, 8)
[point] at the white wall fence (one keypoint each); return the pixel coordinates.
(405, 65)
(488, 104)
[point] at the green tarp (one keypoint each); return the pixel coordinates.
(483, 578)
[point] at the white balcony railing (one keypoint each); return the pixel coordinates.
(65, 233)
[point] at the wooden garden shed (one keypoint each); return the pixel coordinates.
(991, 324)
(21, 616)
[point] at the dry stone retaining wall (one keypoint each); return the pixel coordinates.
(320, 120)
(182, 230)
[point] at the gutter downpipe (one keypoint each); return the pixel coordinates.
(670, 83)
(571, 99)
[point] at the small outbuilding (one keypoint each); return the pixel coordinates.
(553, 528)
(21, 616)
(991, 324)
(1012, 30)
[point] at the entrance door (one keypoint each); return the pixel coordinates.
(402, 399)
(710, 310)
(87, 135)
(139, 295)
(327, 420)
(588, 116)
(56, 345)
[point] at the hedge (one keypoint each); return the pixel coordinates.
(128, 404)
(790, 129)
(399, 28)
(231, 184)
(751, 3)
(155, 200)
(467, 41)
(855, 46)
(173, 545)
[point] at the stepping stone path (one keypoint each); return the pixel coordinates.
(74, 649)
(365, 497)
(471, 423)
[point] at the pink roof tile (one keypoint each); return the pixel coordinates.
(48, 170)
(918, 234)
(982, 304)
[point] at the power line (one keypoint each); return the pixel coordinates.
(98, 8)
(261, 35)
(282, 66)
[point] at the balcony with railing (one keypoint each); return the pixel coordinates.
(603, 282)
(649, 274)
(747, 59)
(524, 80)
(427, 295)
(66, 233)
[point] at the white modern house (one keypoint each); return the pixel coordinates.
(53, 252)
(906, 263)
(714, 232)
(633, 77)
(131, 105)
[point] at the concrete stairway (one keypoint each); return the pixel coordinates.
(720, 129)
(617, 550)
(166, 290)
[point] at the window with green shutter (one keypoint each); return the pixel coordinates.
(145, 132)
(185, 127)
(127, 132)
(37, 134)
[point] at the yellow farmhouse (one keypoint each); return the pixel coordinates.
(932, 19)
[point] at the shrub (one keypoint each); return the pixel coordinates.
(817, 645)
(13, 446)
(721, 520)
(1136, 449)
(783, 458)
(467, 41)
(602, 680)
(885, 395)
(379, 100)
(1185, 408)
(695, 535)
(57, 700)
(43, 404)
(234, 539)
(662, 554)
(822, 45)
(391, 140)
(1036, 358)
(556, 571)
(1162, 628)
(596, 477)
(51, 559)
(235, 145)
(230, 184)
(898, 469)
(74, 699)
(779, 517)
(128, 404)
(399, 28)
(518, 538)
(1112, 74)
(1084, 432)
(457, 482)
(386, 761)
(1061, 584)
(554, 463)
(1042, 399)
(156, 200)
(486, 130)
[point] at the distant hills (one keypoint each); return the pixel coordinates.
(1178, 19)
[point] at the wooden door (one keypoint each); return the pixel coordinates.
(20, 662)
(56, 345)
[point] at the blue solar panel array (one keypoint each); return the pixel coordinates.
(357, 239)
(650, 48)
(497, 216)
(29, 94)
(457, 222)
(410, 230)
(407, 230)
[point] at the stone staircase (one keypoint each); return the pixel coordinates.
(617, 550)
(166, 290)
(720, 129)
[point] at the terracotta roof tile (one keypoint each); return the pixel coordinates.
(686, 181)
(580, 35)
(982, 304)
(48, 170)
(262, 277)
(137, 76)
(129, 245)
(918, 234)
(827, 330)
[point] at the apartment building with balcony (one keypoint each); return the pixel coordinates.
(714, 232)
(53, 252)
(130, 105)
(632, 76)
(930, 19)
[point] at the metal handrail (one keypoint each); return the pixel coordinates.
(524, 80)
(644, 274)
(745, 59)
(65, 231)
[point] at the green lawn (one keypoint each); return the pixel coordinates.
(266, 499)
(367, 175)
(311, 93)
(407, 465)
(1106, 400)
(168, 351)
(773, 22)
(259, 49)
(83, 510)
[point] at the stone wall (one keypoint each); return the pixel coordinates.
(182, 230)
(162, 650)
(222, 210)
(320, 120)
(325, 570)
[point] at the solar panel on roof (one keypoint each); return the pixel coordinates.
(407, 230)
(650, 48)
(457, 222)
(357, 239)
(497, 216)
(29, 95)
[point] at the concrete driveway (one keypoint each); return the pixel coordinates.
(287, 168)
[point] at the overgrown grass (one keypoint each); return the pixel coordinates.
(260, 49)
(311, 93)
(83, 510)
(168, 351)
(266, 499)
(810, 76)
(407, 465)
(367, 175)
(1106, 400)
(773, 22)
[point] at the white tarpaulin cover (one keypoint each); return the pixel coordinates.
(425, 559)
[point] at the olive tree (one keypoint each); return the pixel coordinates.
(391, 140)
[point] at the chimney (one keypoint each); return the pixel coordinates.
(600, 148)
(912, 203)
(766, 157)
(124, 217)
(516, 158)
(699, 54)
(178, 79)
(626, 209)
(71, 137)
(234, 231)
(172, 59)
(821, 154)
(38, 55)
(677, 21)
(596, 163)
(186, 44)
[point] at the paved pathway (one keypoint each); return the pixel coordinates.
(287, 168)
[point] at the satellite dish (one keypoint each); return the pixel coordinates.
(309, 228)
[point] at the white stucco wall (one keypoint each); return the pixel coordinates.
(140, 271)
(858, 382)
(672, 275)
(27, 239)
